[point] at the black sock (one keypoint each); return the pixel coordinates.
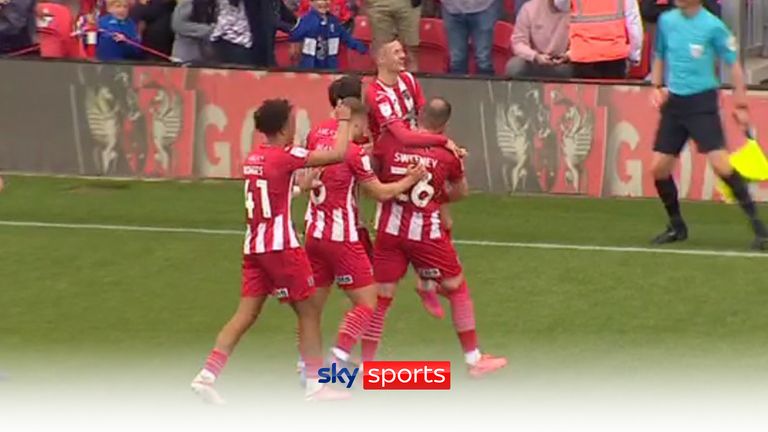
(739, 187)
(667, 191)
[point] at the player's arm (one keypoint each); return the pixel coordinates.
(306, 180)
(728, 51)
(339, 150)
(459, 190)
(411, 138)
(386, 191)
(657, 69)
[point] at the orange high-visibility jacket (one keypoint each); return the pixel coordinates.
(598, 31)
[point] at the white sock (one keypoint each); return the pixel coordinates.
(472, 357)
(313, 386)
(206, 376)
(340, 354)
(300, 364)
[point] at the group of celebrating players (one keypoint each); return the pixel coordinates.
(413, 170)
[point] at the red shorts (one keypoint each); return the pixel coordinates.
(286, 275)
(345, 263)
(432, 259)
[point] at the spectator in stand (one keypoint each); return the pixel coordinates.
(231, 37)
(339, 8)
(474, 20)
(396, 20)
(18, 24)
(519, 6)
(604, 34)
(540, 42)
(154, 21)
(193, 24)
(321, 33)
(116, 30)
(265, 17)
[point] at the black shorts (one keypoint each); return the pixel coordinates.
(694, 117)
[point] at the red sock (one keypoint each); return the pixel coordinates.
(372, 335)
(352, 327)
(216, 361)
(463, 314)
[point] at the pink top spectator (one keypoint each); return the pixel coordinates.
(540, 28)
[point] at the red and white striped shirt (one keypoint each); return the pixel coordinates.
(415, 214)
(401, 102)
(268, 173)
(333, 207)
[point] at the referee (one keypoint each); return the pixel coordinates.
(689, 41)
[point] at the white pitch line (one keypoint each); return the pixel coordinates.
(557, 246)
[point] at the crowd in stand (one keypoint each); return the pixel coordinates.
(551, 38)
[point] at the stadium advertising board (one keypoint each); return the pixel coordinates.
(167, 122)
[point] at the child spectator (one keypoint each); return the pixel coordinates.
(320, 33)
(115, 30)
(338, 8)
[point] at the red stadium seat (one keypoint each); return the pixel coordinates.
(354, 60)
(433, 48)
(55, 32)
(283, 50)
(644, 68)
(502, 45)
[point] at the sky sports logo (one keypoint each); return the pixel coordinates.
(392, 375)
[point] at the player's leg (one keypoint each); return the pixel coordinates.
(706, 129)
(292, 270)
(671, 137)
(322, 272)
(255, 288)
(354, 275)
(427, 289)
(438, 259)
(389, 266)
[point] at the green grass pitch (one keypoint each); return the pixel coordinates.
(72, 296)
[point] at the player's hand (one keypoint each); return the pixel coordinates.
(454, 148)
(368, 148)
(119, 37)
(659, 97)
(741, 115)
(342, 112)
(543, 59)
(462, 153)
(416, 172)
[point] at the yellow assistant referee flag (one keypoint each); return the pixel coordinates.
(750, 162)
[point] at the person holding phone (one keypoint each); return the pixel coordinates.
(540, 42)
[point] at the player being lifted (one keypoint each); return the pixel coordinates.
(409, 230)
(332, 240)
(273, 261)
(395, 99)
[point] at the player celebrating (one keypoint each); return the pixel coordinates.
(395, 98)
(688, 39)
(410, 230)
(333, 244)
(273, 261)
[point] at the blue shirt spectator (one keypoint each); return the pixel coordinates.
(321, 33)
(689, 47)
(115, 29)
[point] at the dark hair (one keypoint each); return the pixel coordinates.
(235, 3)
(356, 106)
(345, 87)
(436, 113)
(272, 116)
(203, 11)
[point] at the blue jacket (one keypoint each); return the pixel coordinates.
(320, 36)
(107, 49)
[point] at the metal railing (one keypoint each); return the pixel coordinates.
(748, 20)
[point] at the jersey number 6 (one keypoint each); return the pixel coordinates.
(421, 193)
